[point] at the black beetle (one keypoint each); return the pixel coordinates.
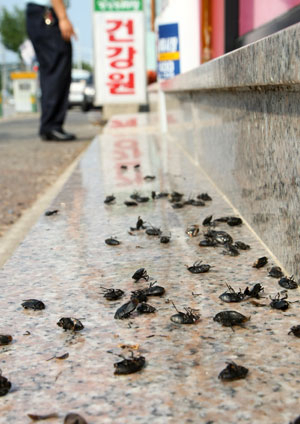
(234, 220)
(197, 268)
(130, 203)
(129, 366)
(165, 239)
(221, 237)
(207, 221)
(275, 272)
(260, 262)
(36, 305)
(175, 197)
(53, 212)
(161, 195)
(139, 225)
(5, 385)
(233, 372)
(140, 273)
(295, 330)
(254, 292)
(74, 419)
(208, 242)
(5, 339)
(72, 324)
(153, 231)
(288, 283)
(145, 308)
(204, 196)
(241, 245)
(149, 178)
(230, 295)
(112, 294)
(189, 317)
(109, 199)
(177, 205)
(279, 302)
(124, 167)
(125, 310)
(231, 250)
(112, 241)
(192, 230)
(154, 290)
(139, 295)
(230, 318)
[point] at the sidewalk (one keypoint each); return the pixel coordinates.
(64, 262)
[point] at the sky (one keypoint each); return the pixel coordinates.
(80, 14)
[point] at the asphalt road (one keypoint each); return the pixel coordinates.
(28, 166)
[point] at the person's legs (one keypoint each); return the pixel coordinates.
(55, 62)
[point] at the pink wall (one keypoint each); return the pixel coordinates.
(218, 28)
(254, 13)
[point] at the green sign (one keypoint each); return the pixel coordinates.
(118, 5)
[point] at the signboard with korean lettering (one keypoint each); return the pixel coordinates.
(119, 49)
(168, 51)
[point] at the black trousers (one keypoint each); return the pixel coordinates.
(54, 55)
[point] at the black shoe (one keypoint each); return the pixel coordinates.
(57, 135)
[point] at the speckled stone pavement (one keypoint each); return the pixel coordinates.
(64, 261)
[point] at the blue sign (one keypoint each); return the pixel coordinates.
(168, 51)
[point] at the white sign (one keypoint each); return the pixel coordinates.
(119, 48)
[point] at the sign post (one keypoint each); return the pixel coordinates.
(168, 51)
(119, 49)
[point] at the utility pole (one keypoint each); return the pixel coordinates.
(3, 75)
(153, 15)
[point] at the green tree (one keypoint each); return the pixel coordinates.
(13, 28)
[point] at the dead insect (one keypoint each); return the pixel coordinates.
(124, 167)
(260, 262)
(207, 221)
(295, 330)
(254, 292)
(130, 203)
(61, 357)
(280, 302)
(145, 308)
(165, 239)
(204, 196)
(112, 294)
(231, 250)
(230, 295)
(72, 324)
(112, 241)
(178, 205)
(53, 212)
(221, 237)
(190, 316)
(5, 339)
(240, 245)
(275, 272)
(126, 310)
(154, 290)
(149, 178)
(192, 230)
(153, 231)
(35, 417)
(233, 372)
(137, 166)
(234, 220)
(129, 366)
(288, 283)
(5, 385)
(162, 195)
(139, 225)
(140, 273)
(208, 242)
(197, 268)
(74, 419)
(143, 199)
(36, 305)
(230, 318)
(139, 295)
(109, 199)
(194, 202)
(175, 197)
